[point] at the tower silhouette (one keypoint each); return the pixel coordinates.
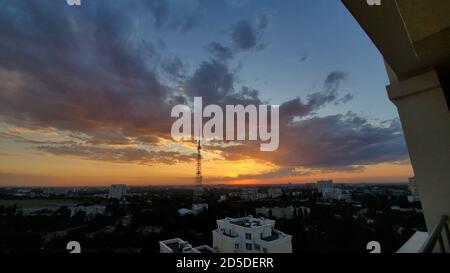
(198, 178)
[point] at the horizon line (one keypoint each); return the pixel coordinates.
(192, 185)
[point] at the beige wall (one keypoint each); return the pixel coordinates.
(425, 119)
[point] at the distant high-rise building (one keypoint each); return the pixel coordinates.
(413, 186)
(324, 184)
(117, 191)
(250, 235)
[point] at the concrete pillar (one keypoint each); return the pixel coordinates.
(425, 118)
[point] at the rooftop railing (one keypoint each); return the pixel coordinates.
(436, 238)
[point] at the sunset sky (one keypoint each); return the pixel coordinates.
(86, 92)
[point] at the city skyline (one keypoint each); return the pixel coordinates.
(87, 92)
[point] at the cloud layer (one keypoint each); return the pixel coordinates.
(93, 74)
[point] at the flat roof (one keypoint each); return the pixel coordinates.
(176, 245)
(249, 221)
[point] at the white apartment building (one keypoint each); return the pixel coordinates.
(178, 245)
(117, 191)
(250, 235)
(324, 184)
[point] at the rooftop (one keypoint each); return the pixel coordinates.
(205, 249)
(176, 245)
(249, 221)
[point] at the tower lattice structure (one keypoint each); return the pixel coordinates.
(199, 177)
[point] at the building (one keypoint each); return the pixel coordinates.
(274, 193)
(199, 207)
(283, 213)
(414, 194)
(184, 212)
(249, 194)
(250, 235)
(413, 198)
(329, 194)
(178, 245)
(222, 198)
(117, 191)
(253, 194)
(90, 211)
(413, 186)
(147, 230)
(126, 220)
(324, 184)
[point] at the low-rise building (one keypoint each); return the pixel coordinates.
(329, 194)
(90, 211)
(178, 245)
(222, 198)
(146, 230)
(249, 194)
(184, 212)
(283, 213)
(199, 207)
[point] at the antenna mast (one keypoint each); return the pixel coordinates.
(199, 178)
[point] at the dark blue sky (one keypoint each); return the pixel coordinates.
(303, 41)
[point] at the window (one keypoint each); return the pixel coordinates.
(236, 246)
(257, 247)
(248, 246)
(248, 236)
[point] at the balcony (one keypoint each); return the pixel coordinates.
(437, 241)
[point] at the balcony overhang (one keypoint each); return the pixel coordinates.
(412, 35)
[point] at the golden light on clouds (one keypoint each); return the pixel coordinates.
(20, 169)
